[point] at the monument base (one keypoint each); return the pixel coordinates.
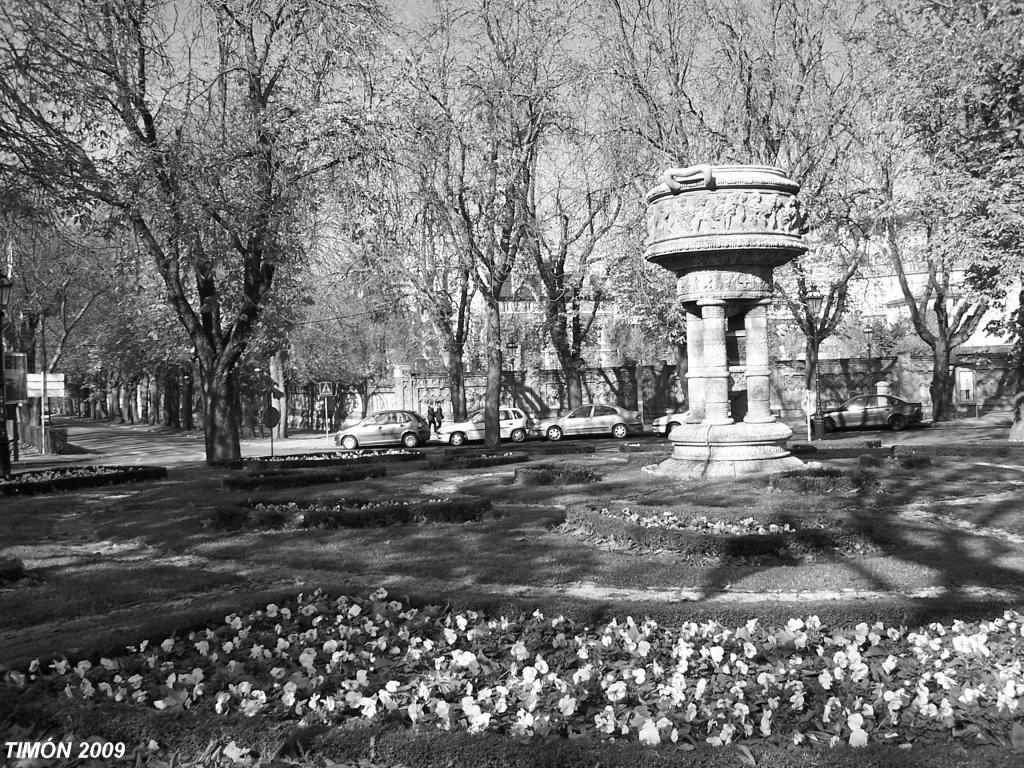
(727, 450)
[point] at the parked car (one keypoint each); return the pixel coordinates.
(513, 425)
(591, 419)
(665, 424)
(873, 411)
(385, 428)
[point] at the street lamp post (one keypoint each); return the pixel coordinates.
(6, 286)
(814, 299)
(868, 333)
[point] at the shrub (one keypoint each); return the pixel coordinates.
(11, 569)
(74, 478)
(287, 479)
(552, 474)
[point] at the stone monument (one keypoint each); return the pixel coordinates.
(722, 230)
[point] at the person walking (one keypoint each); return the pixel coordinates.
(431, 415)
(438, 418)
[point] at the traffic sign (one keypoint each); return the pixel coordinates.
(54, 385)
(271, 417)
(326, 389)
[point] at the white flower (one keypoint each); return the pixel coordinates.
(519, 652)
(639, 676)
(567, 706)
(605, 721)
(616, 691)
(649, 733)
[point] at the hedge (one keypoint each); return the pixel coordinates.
(353, 513)
(703, 543)
(895, 461)
(286, 479)
(479, 460)
(552, 474)
(68, 480)
(822, 480)
(989, 451)
(329, 459)
(557, 449)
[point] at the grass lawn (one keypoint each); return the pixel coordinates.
(110, 567)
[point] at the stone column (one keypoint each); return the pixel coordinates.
(758, 391)
(716, 369)
(694, 366)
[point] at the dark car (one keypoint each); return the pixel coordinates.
(873, 412)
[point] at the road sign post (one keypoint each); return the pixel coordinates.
(326, 390)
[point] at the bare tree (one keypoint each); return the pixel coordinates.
(495, 75)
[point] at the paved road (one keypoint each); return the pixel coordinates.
(100, 442)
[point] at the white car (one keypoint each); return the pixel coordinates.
(513, 424)
(665, 424)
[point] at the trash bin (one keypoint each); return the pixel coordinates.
(817, 427)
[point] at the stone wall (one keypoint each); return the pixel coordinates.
(542, 392)
(909, 377)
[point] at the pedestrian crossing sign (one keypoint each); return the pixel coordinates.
(326, 389)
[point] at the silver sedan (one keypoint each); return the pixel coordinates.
(591, 419)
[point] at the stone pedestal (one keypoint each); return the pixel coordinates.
(722, 230)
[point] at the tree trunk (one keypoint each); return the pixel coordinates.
(811, 379)
(279, 398)
(188, 399)
(573, 382)
(171, 400)
(492, 401)
(942, 384)
(220, 425)
(116, 411)
(457, 385)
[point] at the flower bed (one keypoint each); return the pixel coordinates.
(373, 660)
(332, 458)
(75, 478)
(693, 535)
(894, 461)
(289, 479)
(853, 447)
(354, 513)
(649, 457)
(476, 460)
(558, 449)
(651, 446)
(556, 474)
(822, 480)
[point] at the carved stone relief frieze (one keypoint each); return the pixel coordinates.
(704, 212)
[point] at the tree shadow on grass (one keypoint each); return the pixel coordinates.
(965, 566)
